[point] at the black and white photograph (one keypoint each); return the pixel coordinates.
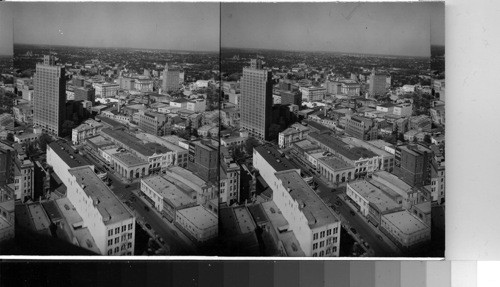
(110, 137)
(335, 113)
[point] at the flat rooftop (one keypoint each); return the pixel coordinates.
(258, 214)
(316, 211)
(71, 216)
(68, 155)
(128, 159)
(392, 179)
(288, 239)
(244, 219)
(199, 217)
(135, 143)
(169, 191)
(52, 211)
(336, 163)
(273, 157)
(188, 176)
(109, 206)
(360, 143)
(374, 195)
(406, 222)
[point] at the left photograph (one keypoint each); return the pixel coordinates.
(112, 147)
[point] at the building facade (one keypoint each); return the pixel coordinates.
(256, 100)
(170, 81)
(49, 102)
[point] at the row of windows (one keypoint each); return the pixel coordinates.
(328, 251)
(117, 229)
(117, 239)
(322, 243)
(117, 249)
(328, 232)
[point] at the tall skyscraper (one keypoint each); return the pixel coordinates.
(256, 100)
(49, 100)
(170, 79)
(378, 83)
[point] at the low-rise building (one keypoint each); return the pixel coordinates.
(86, 130)
(168, 196)
(335, 169)
(199, 222)
(295, 132)
(106, 90)
(25, 138)
(371, 201)
(405, 228)
(129, 165)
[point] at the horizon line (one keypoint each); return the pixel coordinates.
(135, 48)
(331, 52)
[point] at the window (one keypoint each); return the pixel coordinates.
(124, 236)
(129, 245)
(322, 244)
(117, 249)
(124, 228)
(322, 234)
(315, 255)
(335, 230)
(334, 249)
(117, 230)
(110, 251)
(322, 253)
(110, 242)
(117, 239)
(315, 236)
(130, 236)
(315, 246)
(110, 232)
(335, 240)
(328, 232)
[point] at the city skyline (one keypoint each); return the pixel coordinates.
(401, 29)
(111, 25)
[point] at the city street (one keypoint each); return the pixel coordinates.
(159, 226)
(379, 244)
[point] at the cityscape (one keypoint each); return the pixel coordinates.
(265, 133)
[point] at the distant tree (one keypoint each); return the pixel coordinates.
(67, 126)
(427, 139)
(30, 148)
(274, 131)
(250, 143)
(10, 137)
(43, 141)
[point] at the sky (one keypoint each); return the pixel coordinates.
(372, 28)
(171, 26)
(6, 37)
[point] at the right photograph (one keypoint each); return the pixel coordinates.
(333, 129)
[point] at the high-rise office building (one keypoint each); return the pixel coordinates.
(256, 100)
(170, 79)
(50, 96)
(377, 84)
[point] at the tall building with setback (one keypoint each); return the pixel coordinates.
(377, 83)
(49, 101)
(256, 100)
(170, 79)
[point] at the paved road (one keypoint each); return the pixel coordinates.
(330, 193)
(168, 232)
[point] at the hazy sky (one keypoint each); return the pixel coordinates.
(6, 37)
(174, 26)
(378, 28)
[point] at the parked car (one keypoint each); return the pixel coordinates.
(353, 230)
(146, 207)
(147, 226)
(379, 237)
(338, 203)
(352, 212)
